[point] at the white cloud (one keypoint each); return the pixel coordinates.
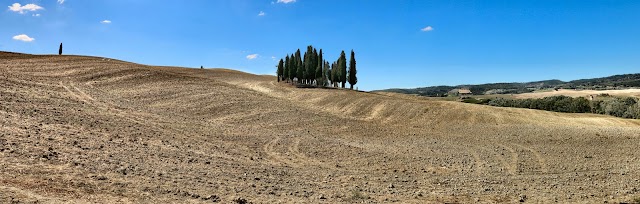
(286, 1)
(427, 29)
(252, 56)
(61, 1)
(35, 15)
(262, 13)
(22, 9)
(105, 22)
(23, 37)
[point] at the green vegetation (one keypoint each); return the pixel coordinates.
(493, 88)
(625, 107)
(299, 66)
(353, 80)
(342, 66)
(280, 69)
(605, 83)
(625, 80)
(60, 49)
(312, 70)
(319, 70)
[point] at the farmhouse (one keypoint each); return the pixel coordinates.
(460, 92)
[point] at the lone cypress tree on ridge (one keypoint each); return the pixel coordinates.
(60, 49)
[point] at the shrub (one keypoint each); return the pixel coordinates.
(633, 111)
(617, 106)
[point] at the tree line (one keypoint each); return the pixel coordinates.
(313, 70)
(624, 107)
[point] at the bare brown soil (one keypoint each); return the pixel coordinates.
(91, 130)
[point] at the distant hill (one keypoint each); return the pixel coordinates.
(624, 80)
(611, 82)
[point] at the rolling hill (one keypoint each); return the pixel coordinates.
(79, 129)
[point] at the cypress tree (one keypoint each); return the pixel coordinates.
(313, 66)
(280, 69)
(342, 65)
(299, 67)
(60, 49)
(352, 71)
(285, 69)
(325, 74)
(319, 78)
(305, 63)
(334, 74)
(293, 71)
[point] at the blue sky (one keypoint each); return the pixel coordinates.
(467, 42)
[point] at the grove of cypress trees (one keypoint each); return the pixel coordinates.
(313, 69)
(352, 71)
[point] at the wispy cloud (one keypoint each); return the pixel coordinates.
(252, 56)
(16, 7)
(427, 29)
(23, 38)
(35, 15)
(105, 22)
(286, 1)
(261, 13)
(61, 1)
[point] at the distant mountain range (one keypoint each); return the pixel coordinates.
(611, 82)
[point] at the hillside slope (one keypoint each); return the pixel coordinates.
(88, 129)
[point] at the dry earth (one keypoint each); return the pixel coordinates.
(580, 93)
(92, 130)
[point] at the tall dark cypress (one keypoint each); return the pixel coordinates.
(280, 69)
(342, 65)
(60, 49)
(305, 64)
(326, 73)
(352, 71)
(299, 67)
(313, 65)
(319, 78)
(334, 74)
(285, 70)
(293, 71)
